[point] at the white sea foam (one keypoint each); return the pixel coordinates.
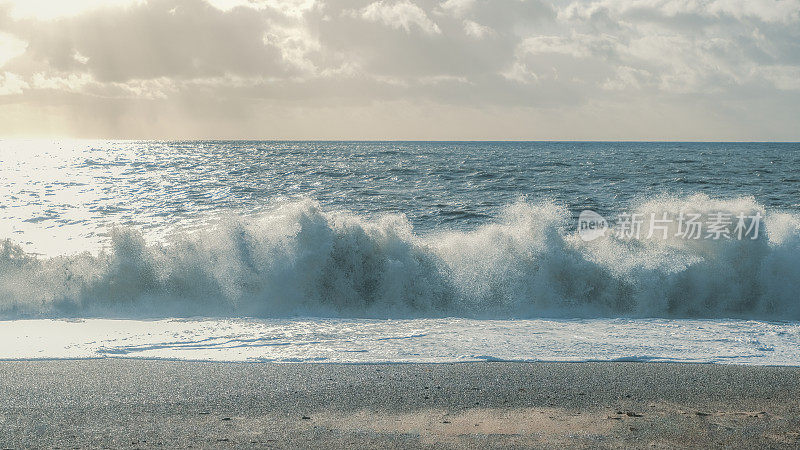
(326, 340)
(300, 260)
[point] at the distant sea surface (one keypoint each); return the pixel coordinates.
(395, 251)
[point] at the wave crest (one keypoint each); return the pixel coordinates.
(301, 260)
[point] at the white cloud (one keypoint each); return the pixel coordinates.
(577, 46)
(54, 9)
(457, 7)
(295, 44)
(627, 78)
(10, 47)
(62, 82)
(80, 58)
(520, 73)
(293, 8)
(11, 84)
(764, 10)
(476, 30)
(785, 78)
(402, 14)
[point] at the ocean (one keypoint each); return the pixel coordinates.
(400, 251)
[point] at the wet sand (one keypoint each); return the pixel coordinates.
(144, 404)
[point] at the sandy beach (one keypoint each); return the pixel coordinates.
(145, 403)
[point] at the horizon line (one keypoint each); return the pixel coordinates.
(665, 141)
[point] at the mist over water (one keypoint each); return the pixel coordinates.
(390, 230)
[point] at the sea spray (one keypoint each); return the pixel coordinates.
(299, 259)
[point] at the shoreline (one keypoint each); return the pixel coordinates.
(153, 403)
(432, 340)
(396, 363)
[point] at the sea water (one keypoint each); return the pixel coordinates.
(394, 251)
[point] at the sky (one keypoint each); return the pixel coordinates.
(407, 69)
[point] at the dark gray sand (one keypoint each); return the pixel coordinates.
(131, 403)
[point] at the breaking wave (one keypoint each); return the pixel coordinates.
(300, 260)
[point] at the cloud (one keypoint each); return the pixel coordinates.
(476, 30)
(458, 7)
(575, 45)
(785, 11)
(785, 78)
(507, 68)
(10, 47)
(403, 14)
(11, 84)
(179, 39)
(49, 9)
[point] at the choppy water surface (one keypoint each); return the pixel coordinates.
(77, 189)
